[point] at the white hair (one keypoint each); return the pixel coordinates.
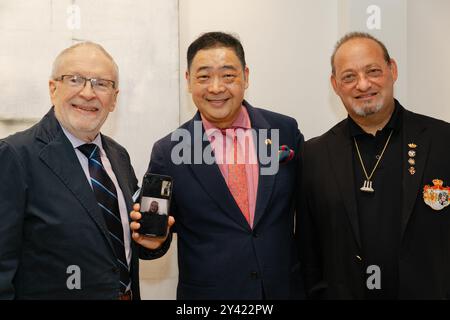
(60, 56)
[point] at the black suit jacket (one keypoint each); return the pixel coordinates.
(329, 230)
(50, 220)
(219, 255)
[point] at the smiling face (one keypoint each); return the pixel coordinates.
(217, 81)
(154, 207)
(363, 79)
(82, 111)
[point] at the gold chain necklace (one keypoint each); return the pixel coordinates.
(367, 186)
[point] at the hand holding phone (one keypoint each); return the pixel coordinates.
(155, 199)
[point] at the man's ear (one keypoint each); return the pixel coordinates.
(113, 105)
(333, 82)
(246, 73)
(52, 90)
(188, 79)
(394, 69)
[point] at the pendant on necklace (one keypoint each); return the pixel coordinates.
(367, 186)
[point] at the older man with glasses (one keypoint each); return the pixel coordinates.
(66, 192)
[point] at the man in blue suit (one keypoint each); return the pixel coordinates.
(64, 222)
(234, 186)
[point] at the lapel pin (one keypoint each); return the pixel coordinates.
(411, 161)
(412, 170)
(412, 145)
(412, 153)
(268, 141)
(436, 196)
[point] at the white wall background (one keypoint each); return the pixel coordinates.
(287, 42)
(428, 48)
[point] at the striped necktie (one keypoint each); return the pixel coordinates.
(106, 195)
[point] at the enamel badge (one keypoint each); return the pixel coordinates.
(436, 196)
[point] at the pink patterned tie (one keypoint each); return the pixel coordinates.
(237, 182)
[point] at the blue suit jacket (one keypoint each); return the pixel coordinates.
(219, 255)
(50, 220)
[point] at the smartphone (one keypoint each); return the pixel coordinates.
(155, 199)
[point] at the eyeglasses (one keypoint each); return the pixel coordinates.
(79, 82)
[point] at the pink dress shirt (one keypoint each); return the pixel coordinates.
(246, 152)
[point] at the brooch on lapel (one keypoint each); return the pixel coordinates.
(436, 196)
(285, 154)
(412, 161)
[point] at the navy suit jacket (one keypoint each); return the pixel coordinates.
(50, 220)
(219, 255)
(329, 233)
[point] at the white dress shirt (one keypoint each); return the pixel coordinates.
(107, 165)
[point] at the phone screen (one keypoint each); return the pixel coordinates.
(155, 204)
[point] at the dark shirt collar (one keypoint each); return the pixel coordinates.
(393, 124)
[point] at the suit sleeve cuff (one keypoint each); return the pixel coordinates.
(148, 254)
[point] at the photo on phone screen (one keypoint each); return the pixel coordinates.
(166, 188)
(154, 205)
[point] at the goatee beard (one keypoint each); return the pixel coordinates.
(366, 109)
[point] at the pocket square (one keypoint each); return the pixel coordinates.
(285, 154)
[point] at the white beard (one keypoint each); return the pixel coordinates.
(366, 109)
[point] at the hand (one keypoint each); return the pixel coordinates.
(147, 242)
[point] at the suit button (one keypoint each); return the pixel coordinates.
(115, 270)
(254, 275)
(255, 235)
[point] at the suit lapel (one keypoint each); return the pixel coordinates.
(413, 132)
(60, 157)
(210, 177)
(340, 154)
(265, 182)
(214, 184)
(117, 159)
